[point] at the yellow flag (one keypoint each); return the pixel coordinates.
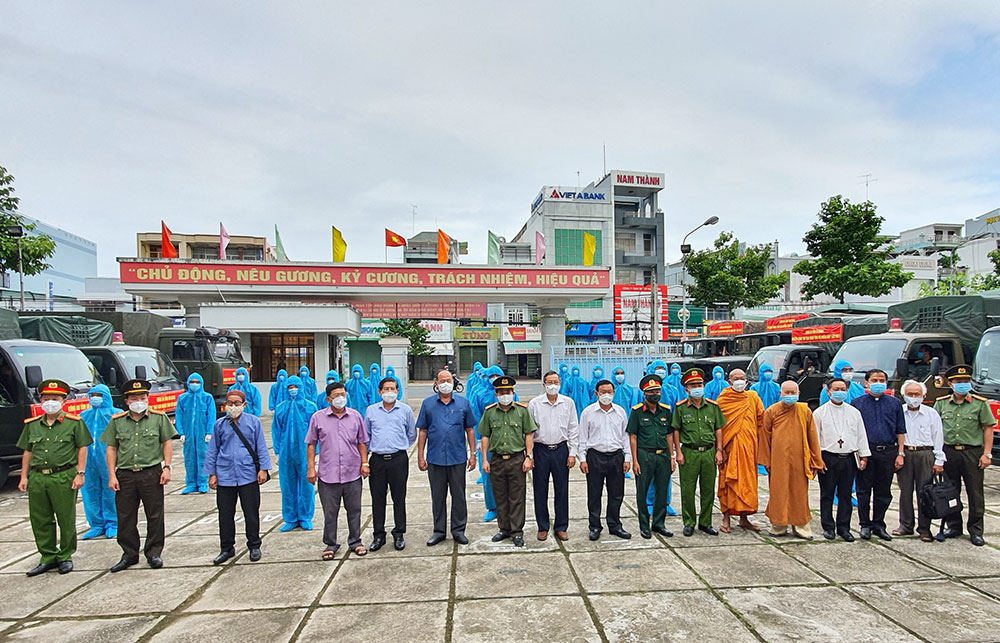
(339, 246)
(589, 248)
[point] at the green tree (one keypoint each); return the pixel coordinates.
(848, 254)
(725, 274)
(411, 330)
(34, 249)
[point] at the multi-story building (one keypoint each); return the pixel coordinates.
(423, 246)
(56, 287)
(206, 246)
(982, 236)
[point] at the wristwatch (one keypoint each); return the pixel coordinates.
(528, 456)
(81, 473)
(166, 466)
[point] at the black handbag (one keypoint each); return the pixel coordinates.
(940, 498)
(253, 454)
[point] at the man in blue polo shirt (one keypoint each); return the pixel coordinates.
(445, 427)
(391, 430)
(885, 425)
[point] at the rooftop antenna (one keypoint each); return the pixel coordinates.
(867, 179)
(413, 212)
(578, 179)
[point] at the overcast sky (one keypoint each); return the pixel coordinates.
(115, 116)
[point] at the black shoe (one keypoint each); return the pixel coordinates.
(255, 554)
(710, 530)
(621, 533)
(399, 543)
(688, 530)
(847, 536)
(155, 562)
(435, 539)
(377, 543)
(519, 541)
(866, 533)
(123, 564)
(882, 533)
(645, 533)
(461, 539)
(663, 531)
(828, 534)
(66, 566)
(223, 556)
(595, 534)
(41, 568)
(975, 539)
(952, 533)
(499, 536)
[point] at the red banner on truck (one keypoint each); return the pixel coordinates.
(782, 323)
(818, 334)
(721, 329)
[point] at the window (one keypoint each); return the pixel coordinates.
(569, 247)
(625, 242)
(625, 276)
(647, 277)
(515, 316)
(647, 244)
(189, 350)
(594, 303)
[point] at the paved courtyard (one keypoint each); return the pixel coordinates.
(734, 587)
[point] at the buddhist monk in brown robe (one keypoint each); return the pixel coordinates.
(744, 413)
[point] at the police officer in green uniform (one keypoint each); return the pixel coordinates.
(652, 442)
(968, 444)
(698, 422)
(505, 431)
(52, 467)
(139, 454)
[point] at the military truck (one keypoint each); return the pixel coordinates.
(118, 363)
(214, 353)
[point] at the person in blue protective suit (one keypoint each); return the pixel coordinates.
(625, 393)
(249, 391)
(391, 372)
(674, 377)
(766, 388)
(670, 396)
(374, 377)
(717, 384)
(98, 499)
(278, 392)
(331, 377)
(359, 391)
(288, 436)
(578, 389)
(475, 380)
(844, 370)
(486, 395)
(564, 379)
(598, 375)
(195, 416)
(307, 385)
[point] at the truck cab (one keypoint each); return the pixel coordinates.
(24, 364)
(804, 363)
(118, 363)
(986, 377)
(214, 353)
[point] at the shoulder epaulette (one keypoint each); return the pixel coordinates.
(156, 412)
(31, 419)
(638, 406)
(72, 416)
(491, 405)
(666, 406)
(120, 415)
(711, 401)
(521, 404)
(943, 397)
(978, 397)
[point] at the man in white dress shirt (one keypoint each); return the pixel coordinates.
(844, 446)
(555, 454)
(605, 456)
(923, 448)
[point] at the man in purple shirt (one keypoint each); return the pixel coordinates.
(343, 461)
(236, 472)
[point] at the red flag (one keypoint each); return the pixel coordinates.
(167, 249)
(393, 240)
(444, 246)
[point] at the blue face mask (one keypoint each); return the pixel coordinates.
(717, 376)
(598, 375)
(293, 393)
(241, 378)
(97, 401)
(765, 376)
(839, 396)
(662, 373)
(790, 399)
(962, 388)
(697, 393)
(675, 371)
(194, 387)
(356, 375)
(876, 388)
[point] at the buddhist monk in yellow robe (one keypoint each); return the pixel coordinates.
(789, 450)
(744, 413)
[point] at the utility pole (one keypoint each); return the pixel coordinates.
(654, 310)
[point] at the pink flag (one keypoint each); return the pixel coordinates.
(223, 241)
(539, 247)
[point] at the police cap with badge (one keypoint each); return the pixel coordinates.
(693, 376)
(504, 381)
(132, 387)
(958, 372)
(53, 387)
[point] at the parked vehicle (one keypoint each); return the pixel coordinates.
(118, 363)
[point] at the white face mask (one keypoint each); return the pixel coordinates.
(138, 406)
(552, 389)
(234, 411)
(847, 376)
(445, 388)
(241, 378)
(662, 373)
(339, 402)
(739, 385)
(505, 400)
(52, 406)
(605, 398)
(389, 397)
(293, 392)
(620, 378)
(914, 402)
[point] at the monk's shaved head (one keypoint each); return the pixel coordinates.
(737, 374)
(789, 387)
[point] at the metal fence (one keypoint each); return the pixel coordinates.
(634, 358)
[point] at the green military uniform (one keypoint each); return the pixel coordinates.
(51, 497)
(506, 430)
(697, 427)
(653, 431)
(963, 447)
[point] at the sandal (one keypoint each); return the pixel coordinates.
(330, 554)
(724, 529)
(927, 538)
(360, 551)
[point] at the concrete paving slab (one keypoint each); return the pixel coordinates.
(21, 596)
(579, 540)
(366, 581)
(700, 539)
(244, 587)
(633, 571)
(236, 627)
(668, 616)
(137, 591)
(859, 562)
(480, 534)
(565, 617)
(966, 615)
(18, 533)
(104, 630)
(11, 553)
(746, 566)
(989, 585)
(542, 574)
(808, 614)
(421, 622)
(194, 551)
(954, 557)
(296, 545)
(6, 625)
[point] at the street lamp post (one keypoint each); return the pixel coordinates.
(16, 232)
(685, 251)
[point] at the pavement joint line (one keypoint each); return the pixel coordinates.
(178, 611)
(449, 619)
(21, 623)
(584, 595)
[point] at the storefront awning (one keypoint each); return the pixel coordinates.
(522, 348)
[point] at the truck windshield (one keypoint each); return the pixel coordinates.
(986, 369)
(157, 368)
(226, 349)
(62, 362)
(773, 357)
(865, 354)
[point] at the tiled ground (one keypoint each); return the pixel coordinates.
(738, 587)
